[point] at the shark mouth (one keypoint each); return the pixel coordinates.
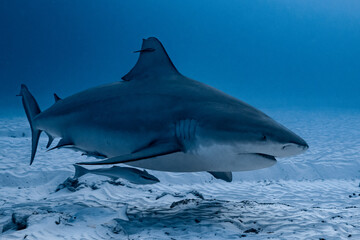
(253, 161)
(262, 155)
(270, 157)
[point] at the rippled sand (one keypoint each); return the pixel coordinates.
(311, 196)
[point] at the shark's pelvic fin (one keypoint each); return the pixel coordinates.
(153, 61)
(153, 150)
(32, 109)
(56, 97)
(51, 139)
(62, 143)
(226, 176)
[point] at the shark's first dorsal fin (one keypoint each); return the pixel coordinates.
(56, 97)
(153, 62)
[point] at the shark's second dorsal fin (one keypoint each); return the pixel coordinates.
(153, 62)
(56, 97)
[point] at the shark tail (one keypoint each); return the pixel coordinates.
(32, 110)
(80, 171)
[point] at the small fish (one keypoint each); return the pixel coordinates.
(133, 175)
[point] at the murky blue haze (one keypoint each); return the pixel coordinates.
(297, 60)
(271, 54)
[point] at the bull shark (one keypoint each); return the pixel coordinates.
(133, 175)
(159, 119)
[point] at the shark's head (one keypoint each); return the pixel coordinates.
(267, 137)
(244, 131)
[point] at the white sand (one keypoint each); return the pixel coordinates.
(311, 196)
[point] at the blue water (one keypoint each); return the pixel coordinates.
(271, 54)
(297, 60)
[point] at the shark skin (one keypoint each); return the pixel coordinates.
(161, 120)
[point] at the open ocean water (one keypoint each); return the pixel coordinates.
(295, 60)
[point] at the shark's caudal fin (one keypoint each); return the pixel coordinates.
(79, 171)
(153, 61)
(32, 110)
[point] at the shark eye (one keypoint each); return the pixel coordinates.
(263, 138)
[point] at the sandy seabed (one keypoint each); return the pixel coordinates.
(312, 196)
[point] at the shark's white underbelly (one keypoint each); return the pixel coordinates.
(208, 159)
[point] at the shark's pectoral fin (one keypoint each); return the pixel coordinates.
(226, 176)
(152, 150)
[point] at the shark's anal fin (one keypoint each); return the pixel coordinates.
(153, 150)
(62, 143)
(51, 139)
(153, 62)
(226, 176)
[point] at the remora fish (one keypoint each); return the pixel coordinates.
(159, 119)
(133, 175)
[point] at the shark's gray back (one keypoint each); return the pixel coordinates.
(153, 100)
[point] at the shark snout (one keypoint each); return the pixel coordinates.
(295, 146)
(291, 149)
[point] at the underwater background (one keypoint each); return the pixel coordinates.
(298, 61)
(271, 54)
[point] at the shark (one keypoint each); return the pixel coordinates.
(156, 118)
(133, 175)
